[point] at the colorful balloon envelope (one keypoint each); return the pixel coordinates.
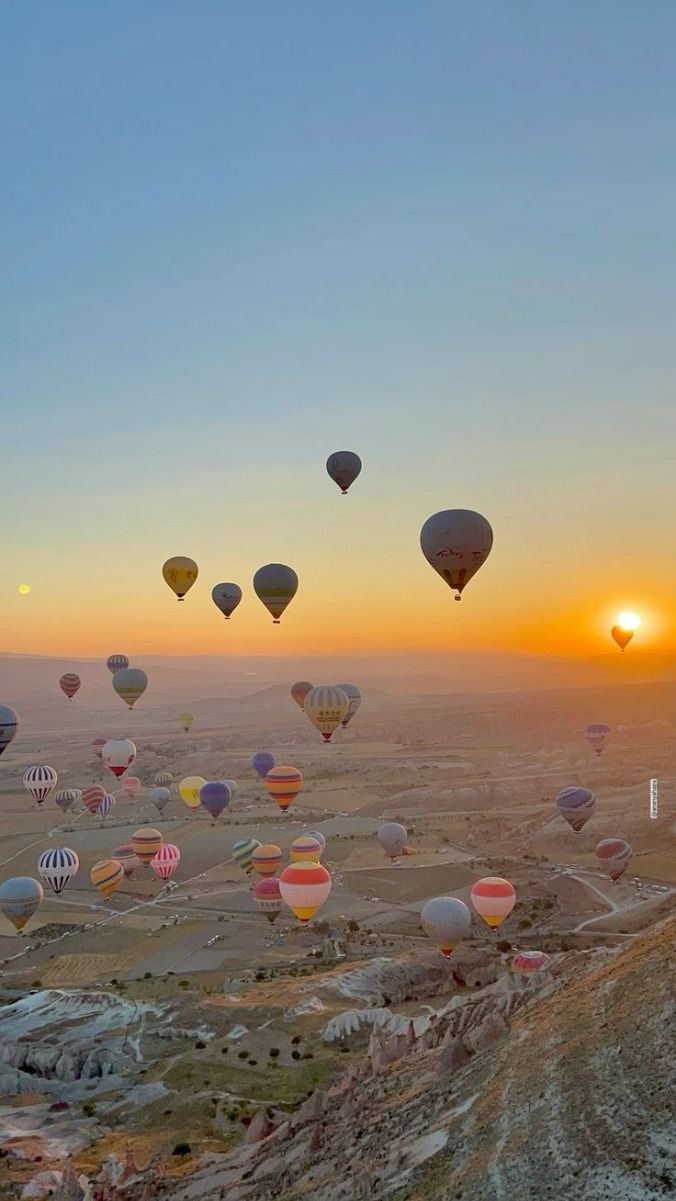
(214, 797)
(530, 962)
(242, 852)
(299, 691)
(165, 862)
(146, 842)
(621, 636)
(343, 466)
(305, 850)
(164, 779)
(107, 875)
(160, 798)
(233, 786)
(92, 797)
(305, 887)
(186, 720)
(20, 898)
(317, 834)
(130, 683)
(354, 701)
(106, 805)
(326, 707)
(57, 866)
(262, 763)
(69, 684)
(392, 838)
(67, 798)
(226, 598)
(493, 899)
(189, 791)
(613, 855)
(131, 785)
(40, 782)
(283, 785)
(9, 724)
(266, 859)
(118, 754)
(597, 734)
(116, 663)
(126, 855)
(275, 586)
(180, 573)
(456, 543)
(576, 805)
(446, 920)
(268, 897)
(98, 745)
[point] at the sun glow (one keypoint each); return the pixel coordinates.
(628, 621)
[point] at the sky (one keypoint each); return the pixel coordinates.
(237, 237)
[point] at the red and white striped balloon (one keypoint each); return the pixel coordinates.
(131, 785)
(166, 861)
(93, 797)
(69, 684)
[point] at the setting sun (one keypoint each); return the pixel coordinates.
(628, 621)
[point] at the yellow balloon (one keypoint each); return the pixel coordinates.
(189, 790)
(180, 574)
(24, 589)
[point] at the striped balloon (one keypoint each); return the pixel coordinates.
(319, 836)
(164, 779)
(268, 897)
(9, 724)
(283, 785)
(326, 707)
(242, 852)
(165, 862)
(69, 684)
(106, 805)
(131, 785)
(107, 875)
(576, 806)
(126, 855)
(275, 585)
(526, 962)
(130, 683)
(57, 867)
(116, 663)
(354, 698)
(493, 898)
(92, 797)
(67, 798)
(614, 854)
(146, 842)
(305, 850)
(40, 781)
(304, 888)
(597, 734)
(266, 859)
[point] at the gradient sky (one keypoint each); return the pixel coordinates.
(239, 236)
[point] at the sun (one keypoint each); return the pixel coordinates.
(628, 621)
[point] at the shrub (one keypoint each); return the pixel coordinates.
(147, 975)
(252, 1062)
(224, 1050)
(200, 1045)
(184, 984)
(297, 1038)
(182, 1149)
(36, 984)
(89, 1109)
(308, 1055)
(242, 1054)
(504, 945)
(274, 1052)
(525, 923)
(295, 1054)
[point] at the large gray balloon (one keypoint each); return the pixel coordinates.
(226, 597)
(275, 585)
(9, 724)
(446, 920)
(456, 543)
(19, 899)
(343, 466)
(392, 838)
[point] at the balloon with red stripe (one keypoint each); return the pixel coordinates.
(283, 785)
(266, 859)
(305, 887)
(166, 861)
(614, 854)
(69, 684)
(493, 899)
(530, 962)
(131, 785)
(92, 797)
(268, 897)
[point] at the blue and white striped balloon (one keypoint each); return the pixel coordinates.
(9, 724)
(106, 805)
(40, 781)
(57, 866)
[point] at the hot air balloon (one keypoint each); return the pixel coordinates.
(493, 899)
(597, 735)
(266, 859)
(304, 888)
(305, 850)
(354, 699)
(456, 543)
(283, 785)
(146, 842)
(116, 663)
(106, 805)
(275, 585)
(107, 875)
(262, 763)
(326, 707)
(9, 724)
(576, 805)
(130, 683)
(40, 782)
(180, 574)
(392, 838)
(343, 466)
(126, 855)
(299, 691)
(67, 798)
(189, 791)
(613, 855)
(131, 785)
(214, 797)
(166, 861)
(317, 834)
(622, 637)
(98, 745)
(69, 684)
(118, 754)
(164, 779)
(446, 920)
(226, 598)
(530, 962)
(233, 786)
(268, 897)
(92, 797)
(57, 866)
(20, 897)
(242, 852)
(186, 720)
(160, 798)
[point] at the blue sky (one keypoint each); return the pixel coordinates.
(237, 237)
